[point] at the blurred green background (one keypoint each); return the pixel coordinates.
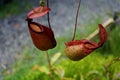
(13, 7)
(31, 64)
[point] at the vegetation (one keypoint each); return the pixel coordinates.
(13, 7)
(102, 64)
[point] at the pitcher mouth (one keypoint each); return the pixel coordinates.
(35, 27)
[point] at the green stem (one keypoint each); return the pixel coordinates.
(50, 66)
(107, 68)
(76, 20)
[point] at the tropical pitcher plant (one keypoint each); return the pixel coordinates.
(78, 49)
(43, 36)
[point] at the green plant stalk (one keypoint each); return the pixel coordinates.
(50, 66)
(108, 73)
(48, 58)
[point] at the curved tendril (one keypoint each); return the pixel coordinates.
(48, 17)
(76, 20)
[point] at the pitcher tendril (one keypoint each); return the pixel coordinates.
(76, 20)
(48, 16)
